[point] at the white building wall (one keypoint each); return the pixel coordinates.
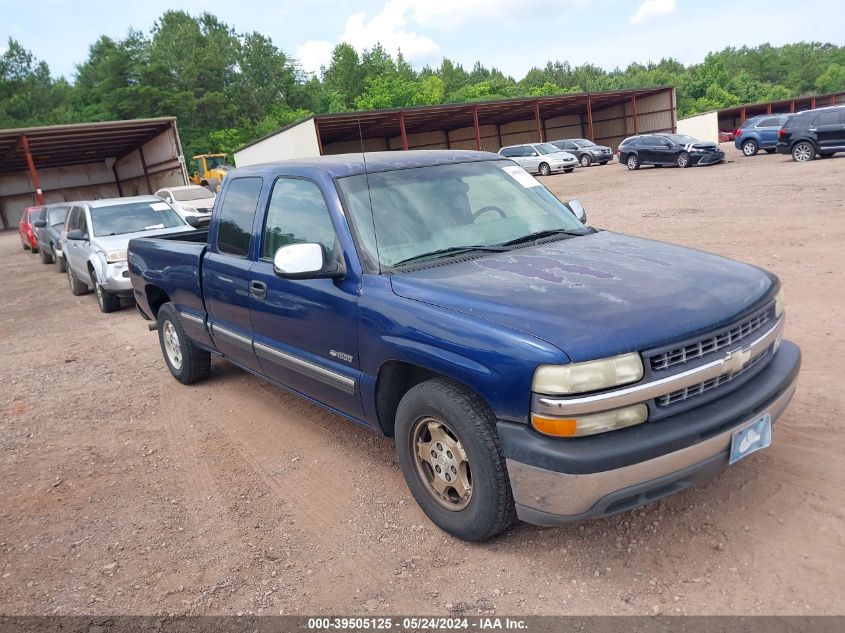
(704, 127)
(299, 141)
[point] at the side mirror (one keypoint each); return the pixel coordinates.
(534, 154)
(76, 235)
(40, 224)
(305, 261)
(578, 209)
(198, 221)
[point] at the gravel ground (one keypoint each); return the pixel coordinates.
(126, 492)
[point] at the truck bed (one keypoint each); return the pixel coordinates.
(172, 263)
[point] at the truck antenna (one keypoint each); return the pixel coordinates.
(369, 193)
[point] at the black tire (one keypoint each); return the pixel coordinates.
(586, 160)
(76, 287)
(803, 151)
(750, 147)
(61, 262)
(568, 170)
(195, 363)
(106, 300)
(46, 258)
(545, 170)
(826, 154)
(24, 246)
(490, 507)
(770, 150)
(33, 250)
(632, 162)
(683, 160)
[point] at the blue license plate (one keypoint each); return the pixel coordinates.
(752, 438)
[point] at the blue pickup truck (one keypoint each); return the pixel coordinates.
(527, 365)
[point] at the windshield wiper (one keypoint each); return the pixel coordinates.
(451, 250)
(538, 235)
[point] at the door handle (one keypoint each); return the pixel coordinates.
(258, 289)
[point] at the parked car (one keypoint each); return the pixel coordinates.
(192, 202)
(668, 149)
(26, 227)
(49, 230)
(527, 365)
(759, 132)
(726, 136)
(820, 131)
(585, 151)
(96, 235)
(540, 158)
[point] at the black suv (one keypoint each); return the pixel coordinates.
(668, 149)
(820, 131)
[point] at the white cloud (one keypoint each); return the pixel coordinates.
(652, 8)
(448, 14)
(389, 28)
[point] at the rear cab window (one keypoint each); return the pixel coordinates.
(237, 212)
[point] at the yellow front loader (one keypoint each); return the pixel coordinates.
(210, 170)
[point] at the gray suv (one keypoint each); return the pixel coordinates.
(586, 151)
(540, 158)
(96, 236)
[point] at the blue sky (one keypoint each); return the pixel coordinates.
(510, 34)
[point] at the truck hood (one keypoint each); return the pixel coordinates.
(597, 295)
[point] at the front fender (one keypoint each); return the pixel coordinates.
(496, 362)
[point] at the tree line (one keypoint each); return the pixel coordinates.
(228, 88)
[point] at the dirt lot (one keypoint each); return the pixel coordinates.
(125, 492)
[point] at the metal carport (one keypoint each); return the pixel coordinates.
(55, 163)
(605, 117)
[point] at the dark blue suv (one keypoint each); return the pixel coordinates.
(759, 132)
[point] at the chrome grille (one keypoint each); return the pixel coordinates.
(710, 344)
(707, 385)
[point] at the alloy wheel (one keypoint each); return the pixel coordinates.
(172, 346)
(442, 463)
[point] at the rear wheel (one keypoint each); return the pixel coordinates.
(187, 362)
(803, 152)
(750, 147)
(682, 160)
(76, 287)
(452, 461)
(106, 300)
(633, 162)
(586, 161)
(545, 170)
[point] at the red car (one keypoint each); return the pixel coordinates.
(26, 228)
(726, 136)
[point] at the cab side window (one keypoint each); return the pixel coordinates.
(297, 214)
(234, 228)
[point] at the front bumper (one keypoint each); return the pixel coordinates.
(562, 166)
(117, 279)
(708, 159)
(601, 157)
(556, 481)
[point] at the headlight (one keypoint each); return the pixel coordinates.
(116, 256)
(589, 376)
(780, 303)
(590, 424)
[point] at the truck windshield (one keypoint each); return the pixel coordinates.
(408, 212)
(118, 219)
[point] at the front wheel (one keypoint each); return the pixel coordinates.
(633, 162)
(106, 300)
(76, 287)
(682, 160)
(586, 161)
(803, 152)
(61, 262)
(46, 257)
(186, 361)
(452, 461)
(545, 170)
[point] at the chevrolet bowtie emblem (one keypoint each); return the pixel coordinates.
(735, 360)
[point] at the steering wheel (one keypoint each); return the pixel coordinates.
(489, 207)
